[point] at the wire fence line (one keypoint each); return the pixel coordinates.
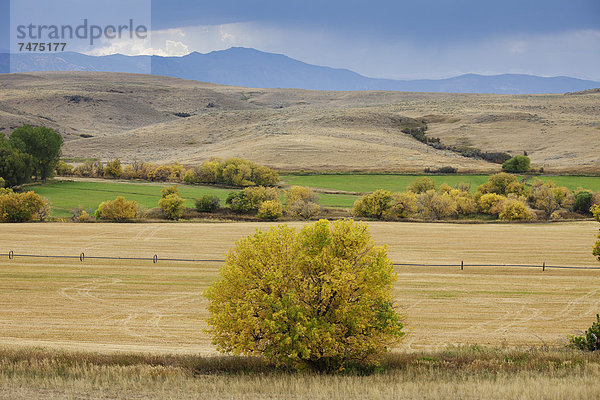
(155, 259)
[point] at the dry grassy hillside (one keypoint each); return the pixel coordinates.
(134, 117)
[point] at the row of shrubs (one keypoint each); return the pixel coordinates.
(231, 172)
(264, 202)
(503, 197)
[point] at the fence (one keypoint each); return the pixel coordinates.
(155, 259)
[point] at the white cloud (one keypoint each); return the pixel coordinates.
(176, 48)
(166, 43)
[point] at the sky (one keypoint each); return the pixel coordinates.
(385, 39)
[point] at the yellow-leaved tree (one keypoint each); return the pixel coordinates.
(319, 298)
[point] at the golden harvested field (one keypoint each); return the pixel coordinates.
(105, 305)
(291, 129)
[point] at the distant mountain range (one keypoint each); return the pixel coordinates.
(239, 66)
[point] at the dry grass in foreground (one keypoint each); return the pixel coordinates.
(458, 372)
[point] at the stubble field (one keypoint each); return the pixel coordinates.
(128, 305)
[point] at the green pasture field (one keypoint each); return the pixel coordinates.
(575, 182)
(67, 195)
(365, 183)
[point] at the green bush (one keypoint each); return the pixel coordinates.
(172, 206)
(207, 203)
(270, 210)
(583, 201)
(16, 167)
(318, 299)
(517, 164)
(591, 339)
(43, 144)
(117, 210)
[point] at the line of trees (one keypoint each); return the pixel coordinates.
(231, 172)
(502, 197)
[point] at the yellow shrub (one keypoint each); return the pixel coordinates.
(22, 207)
(270, 210)
(172, 206)
(515, 210)
(404, 206)
(300, 193)
(63, 169)
(302, 202)
(113, 169)
(432, 205)
(160, 173)
(374, 205)
(118, 210)
(421, 185)
(488, 203)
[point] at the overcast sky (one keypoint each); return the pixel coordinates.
(389, 39)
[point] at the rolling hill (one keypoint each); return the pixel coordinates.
(161, 119)
(239, 66)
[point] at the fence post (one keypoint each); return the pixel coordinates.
(462, 265)
(544, 266)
